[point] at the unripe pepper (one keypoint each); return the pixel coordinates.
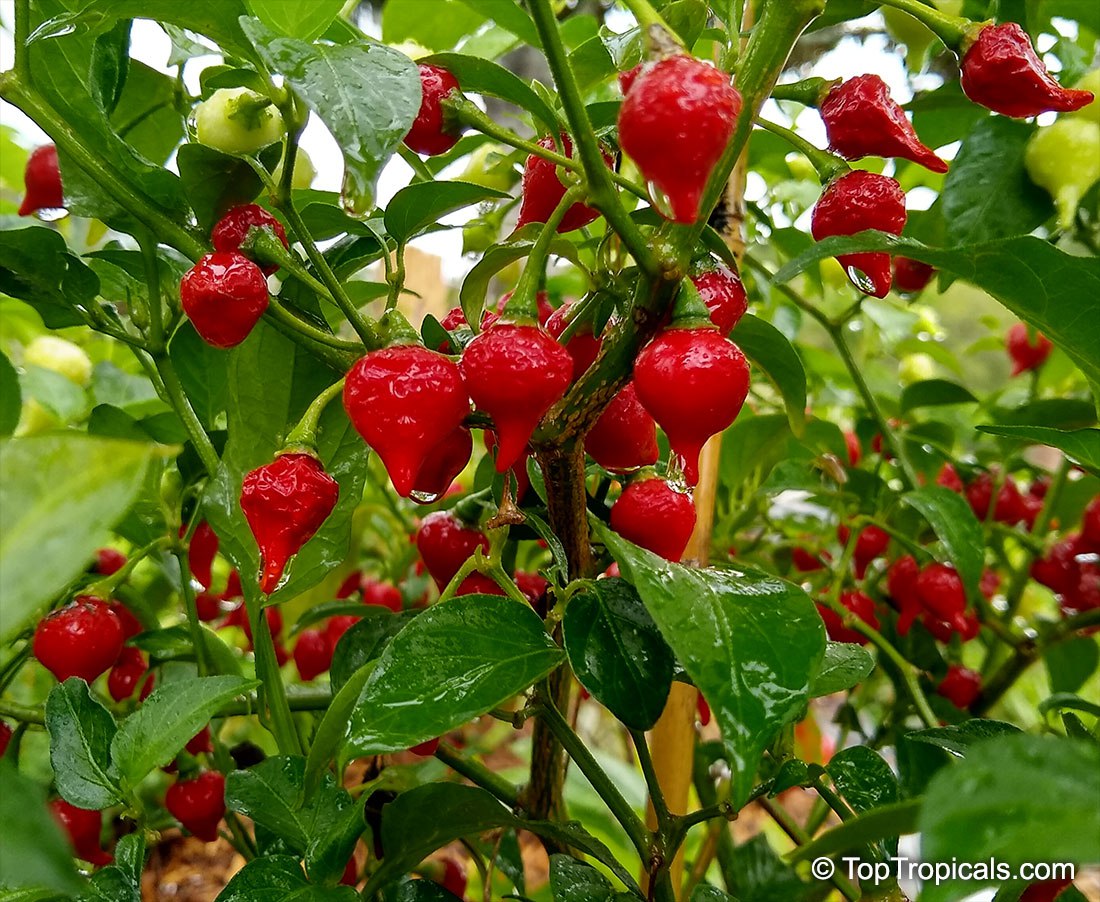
(238, 121)
(285, 502)
(233, 228)
(515, 373)
(724, 294)
(582, 345)
(862, 119)
(82, 639)
(1001, 71)
(430, 133)
(1090, 82)
(404, 400)
(694, 383)
(1025, 354)
(198, 804)
(83, 827)
(677, 118)
(625, 436)
(1064, 158)
(857, 201)
(445, 543)
(542, 190)
(961, 686)
(224, 295)
(653, 515)
(42, 179)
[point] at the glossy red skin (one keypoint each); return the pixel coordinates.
(405, 400)
(515, 373)
(234, 226)
(337, 626)
(542, 190)
(1024, 354)
(1001, 71)
(5, 737)
(724, 294)
(198, 804)
(941, 592)
(208, 607)
(351, 873)
(1090, 526)
(1085, 594)
(857, 201)
(82, 639)
(859, 604)
(1045, 890)
(652, 514)
(702, 710)
(131, 626)
(285, 502)
(224, 295)
(901, 583)
(382, 594)
(312, 654)
(83, 827)
(949, 478)
(694, 383)
(675, 122)
(239, 617)
(989, 583)
(127, 673)
(582, 346)
(109, 561)
(806, 561)
(201, 743)
(627, 78)
(429, 133)
(425, 749)
(233, 586)
(201, 551)
(442, 464)
(872, 542)
(862, 119)
(532, 585)
(855, 449)
(961, 686)
(42, 179)
(542, 301)
(519, 468)
(351, 584)
(1009, 508)
(1059, 569)
(911, 276)
(445, 544)
(625, 436)
(479, 584)
(454, 878)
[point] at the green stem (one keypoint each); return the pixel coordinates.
(645, 760)
(276, 311)
(808, 92)
(178, 399)
(601, 187)
(143, 208)
(478, 773)
(148, 245)
(22, 30)
(396, 278)
(523, 302)
(22, 713)
(105, 588)
(273, 692)
(800, 838)
(192, 611)
(828, 165)
(305, 433)
(954, 31)
(420, 169)
(595, 774)
(646, 15)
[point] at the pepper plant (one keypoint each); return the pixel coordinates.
(713, 489)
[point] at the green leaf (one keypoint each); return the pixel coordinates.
(574, 881)
(934, 393)
(154, 734)
(333, 728)
(750, 641)
(617, 652)
(59, 497)
(55, 392)
(863, 777)
(844, 666)
(1064, 700)
(111, 884)
(36, 267)
(871, 826)
(482, 649)
(279, 878)
(81, 730)
(423, 204)
(214, 182)
(987, 193)
(508, 15)
(364, 642)
(428, 817)
(147, 115)
(11, 400)
(1071, 663)
(1081, 445)
(35, 854)
(174, 643)
(450, 22)
(481, 76)
(305, 19)
(770, 350)
(987, 806)
(1055, 292)
(704, 892)
(957, 738)
(956, 526)
(412, 890)
(366, 93)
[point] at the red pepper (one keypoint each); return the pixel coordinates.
(233, 228)
(285, 502)
(42, 179)
(961, 686)
(1001, 71)
(543, 190)
(862, 119)
(625, 436)
(430, 133)
(653, 515)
